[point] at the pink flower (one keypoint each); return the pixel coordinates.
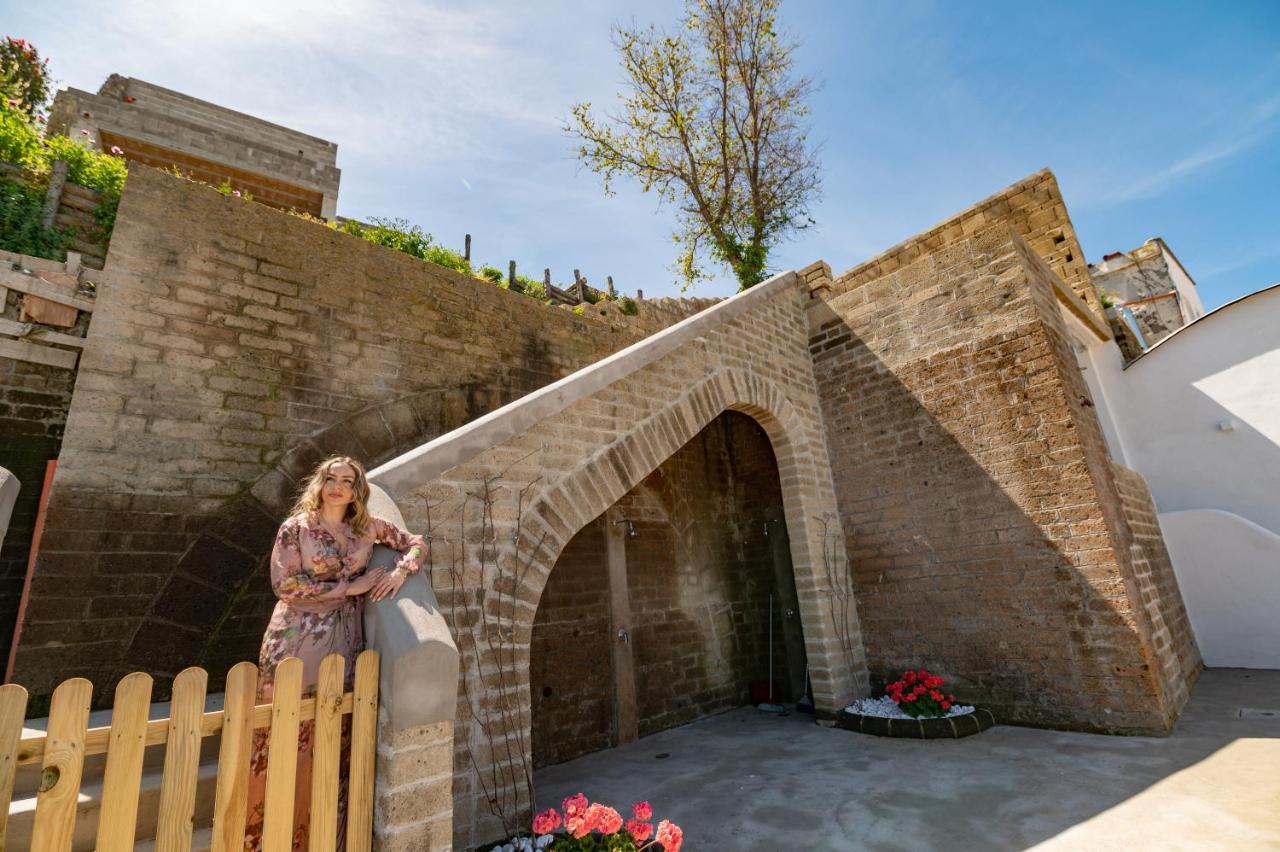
(639, 830)
(604, 818)
(117, 150)
(546, 822)
(236, 193)
(642, 810)
(13, 102)
(574, 805)
(84, 133)
(579, 826)
(670, 836)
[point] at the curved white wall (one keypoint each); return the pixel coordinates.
(1229, 572)
(1199, 417)
(1167, 407)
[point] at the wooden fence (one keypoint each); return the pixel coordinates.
(62, 748)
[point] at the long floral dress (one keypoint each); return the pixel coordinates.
(314, 618)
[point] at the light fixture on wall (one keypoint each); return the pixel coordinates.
(631, 528)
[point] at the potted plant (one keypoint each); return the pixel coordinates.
(593, 827)
(916, 705)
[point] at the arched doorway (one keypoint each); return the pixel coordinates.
(657, 612)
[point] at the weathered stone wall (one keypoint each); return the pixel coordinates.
(570, 668)
(698, 573)
(232, 348)
(1033, 207)
(975, 492)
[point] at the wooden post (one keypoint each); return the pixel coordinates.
(546, 278)
(53, 195)
(639, 295)
(511, 274)
(466, 247)
(612, 292)
(626, 721)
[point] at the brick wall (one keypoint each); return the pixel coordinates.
(573, 712)
(1033, 207)
(699, 574)
(233, 347)
(974, 491)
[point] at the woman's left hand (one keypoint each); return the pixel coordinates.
(388, 585)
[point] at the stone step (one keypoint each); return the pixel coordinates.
(88, 809)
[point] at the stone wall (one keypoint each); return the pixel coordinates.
(232, 348)
(1033, 207)
(975, 493)
(699, 572)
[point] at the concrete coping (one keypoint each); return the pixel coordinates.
(433, 458)
(418, 682)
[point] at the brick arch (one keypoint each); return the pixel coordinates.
(566, 506)
(216, 602)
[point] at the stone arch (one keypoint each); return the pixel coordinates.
(217, 589)
(837, 665)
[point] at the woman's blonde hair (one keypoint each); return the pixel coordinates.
(311, 499)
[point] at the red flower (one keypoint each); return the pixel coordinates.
(129, 99)
(909, 677)
(642, 810)
(946, 705)
(546, 822)
(670, 836)
(951, 698)
(639, 830)
(86, 115)
(574, 805)
(935, 695)
(604, 818)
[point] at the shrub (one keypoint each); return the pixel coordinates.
(21, 209)
(920, 694)
(628, 306)
(492, 274)
(403, 236)
(24, 76)
(227, 189)
(580, 310)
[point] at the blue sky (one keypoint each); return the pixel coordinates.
(1159, 119)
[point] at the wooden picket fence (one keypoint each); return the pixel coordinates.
(62, 748)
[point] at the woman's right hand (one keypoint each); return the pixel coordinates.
(365, 581)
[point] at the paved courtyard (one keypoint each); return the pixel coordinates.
(747, 781)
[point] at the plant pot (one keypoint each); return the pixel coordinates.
(947, 728)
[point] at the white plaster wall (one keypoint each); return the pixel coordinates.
(1167, 407)
(1217, 491)
(1229, 575)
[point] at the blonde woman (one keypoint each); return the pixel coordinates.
(318, 571)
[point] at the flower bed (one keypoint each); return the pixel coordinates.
(590, 826)
(915, 707)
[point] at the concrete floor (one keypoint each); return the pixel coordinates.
(747, 781)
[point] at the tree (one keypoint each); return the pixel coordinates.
(714, 122)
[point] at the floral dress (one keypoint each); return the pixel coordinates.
(314, 618)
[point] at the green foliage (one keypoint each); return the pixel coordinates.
(492, 274)
(628, 306)
(88, 168)
(19, 141)
(713, 122)
(580, 310)
(24, 76)
(533, 288)
(401, 235)
(227, 189)
(1107, 298)
(620, 841)
(21, 209)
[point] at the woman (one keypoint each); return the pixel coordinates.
(318, 572)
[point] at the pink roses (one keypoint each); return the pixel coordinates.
(581, 817)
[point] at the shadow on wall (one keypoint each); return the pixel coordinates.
(699, 573)
(985, 533)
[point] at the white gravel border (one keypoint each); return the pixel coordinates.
(886, 708)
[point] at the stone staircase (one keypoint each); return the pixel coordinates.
(27, 779)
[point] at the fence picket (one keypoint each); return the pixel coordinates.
(63, 763)
(282, 756)
(364, 743)
(326, 753)
(13, 712)
(181, 762)
(231, 803)
(117, 823)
